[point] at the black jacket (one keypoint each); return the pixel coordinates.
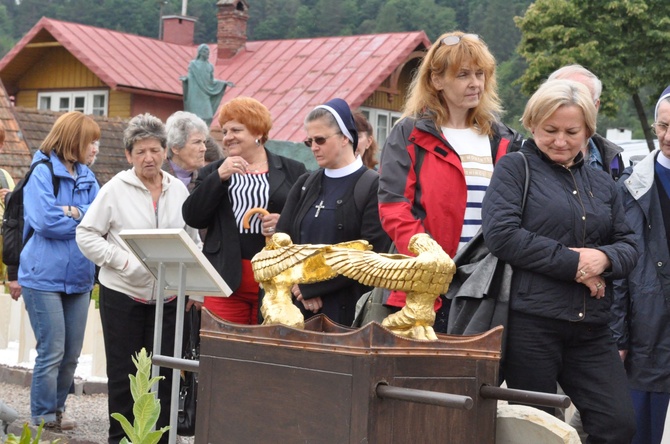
(339, 294)
(209, 207)
(565, 208)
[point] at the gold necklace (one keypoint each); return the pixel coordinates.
(257, 169)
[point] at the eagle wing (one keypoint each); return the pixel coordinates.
(429, 272)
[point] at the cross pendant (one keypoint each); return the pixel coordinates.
(319, 208)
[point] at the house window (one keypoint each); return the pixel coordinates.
(88, 102)
(382, 122)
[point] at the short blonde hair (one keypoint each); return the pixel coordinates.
(422, 96)
(554, 94)
(70, 137)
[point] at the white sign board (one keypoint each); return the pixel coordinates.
(171, 248)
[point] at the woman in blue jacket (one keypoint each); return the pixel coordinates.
(55, 277)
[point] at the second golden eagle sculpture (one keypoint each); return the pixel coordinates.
(423, 278)
(281, 264)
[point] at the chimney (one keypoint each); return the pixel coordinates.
(178, 29)
(231, 33)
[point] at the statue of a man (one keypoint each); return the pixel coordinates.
(202, 93)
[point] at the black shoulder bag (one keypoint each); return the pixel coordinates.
(480, 289)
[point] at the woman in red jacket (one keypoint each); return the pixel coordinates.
(437, 162)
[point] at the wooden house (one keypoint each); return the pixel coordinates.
(59, 66)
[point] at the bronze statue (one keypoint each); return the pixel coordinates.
(202, 93)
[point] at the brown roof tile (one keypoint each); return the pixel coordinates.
(36, 124)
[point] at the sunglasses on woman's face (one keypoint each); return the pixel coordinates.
(452, 40)
(317, 140)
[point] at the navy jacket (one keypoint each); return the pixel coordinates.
(641, 309)
(575, 207)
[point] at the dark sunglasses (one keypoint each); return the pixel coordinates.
(452, 40)
(317, 140)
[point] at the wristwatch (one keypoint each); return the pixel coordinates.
(69, 211)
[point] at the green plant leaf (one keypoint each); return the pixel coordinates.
(129, 429)
(146, 411)
(155, 436)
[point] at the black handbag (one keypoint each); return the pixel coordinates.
(480, 289)
(188, 387)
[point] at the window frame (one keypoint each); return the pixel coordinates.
(56, 97)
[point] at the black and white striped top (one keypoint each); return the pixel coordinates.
(248, 191)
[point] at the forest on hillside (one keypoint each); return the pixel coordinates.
(493, 20)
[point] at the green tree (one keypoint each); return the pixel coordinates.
(621, 41)
(414, 15)
(7, 40)
(510, 92)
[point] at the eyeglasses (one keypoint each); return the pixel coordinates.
(659, 128)
(318, 140)
(452, 40)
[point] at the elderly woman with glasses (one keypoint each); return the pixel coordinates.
(336, 203)
(248, 177)
(642, 319)
(437, 162)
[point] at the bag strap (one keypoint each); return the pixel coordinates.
(526, 182)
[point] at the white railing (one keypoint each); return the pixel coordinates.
(15, 327)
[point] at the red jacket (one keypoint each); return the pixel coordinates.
(422, 185)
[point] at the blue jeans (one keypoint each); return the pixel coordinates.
(58, 321)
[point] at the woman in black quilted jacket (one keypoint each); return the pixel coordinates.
(565, 247)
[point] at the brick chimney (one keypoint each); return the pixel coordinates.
(178, 29)
(231, 33)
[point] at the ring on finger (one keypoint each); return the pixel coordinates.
(582, 272)
(599, 285)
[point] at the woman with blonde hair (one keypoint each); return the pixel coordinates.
(566, 246)
(437, 162)
(55, 277)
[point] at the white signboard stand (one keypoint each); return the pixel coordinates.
(177, 263)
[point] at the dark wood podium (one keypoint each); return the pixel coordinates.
(275, 384)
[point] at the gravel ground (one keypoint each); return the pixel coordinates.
(89, 411)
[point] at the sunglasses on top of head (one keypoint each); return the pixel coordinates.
(318, 140)
(452, 40)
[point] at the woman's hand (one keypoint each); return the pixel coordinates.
(596, 285)
(592, 263)
(269, 223)
(313, 305)
(232, 165)
(14, 290)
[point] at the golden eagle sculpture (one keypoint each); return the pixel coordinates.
(423, 278)
(281, 264)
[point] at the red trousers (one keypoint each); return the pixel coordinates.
(240, 307)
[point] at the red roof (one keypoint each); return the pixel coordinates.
(120, 60)
(291, 77)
